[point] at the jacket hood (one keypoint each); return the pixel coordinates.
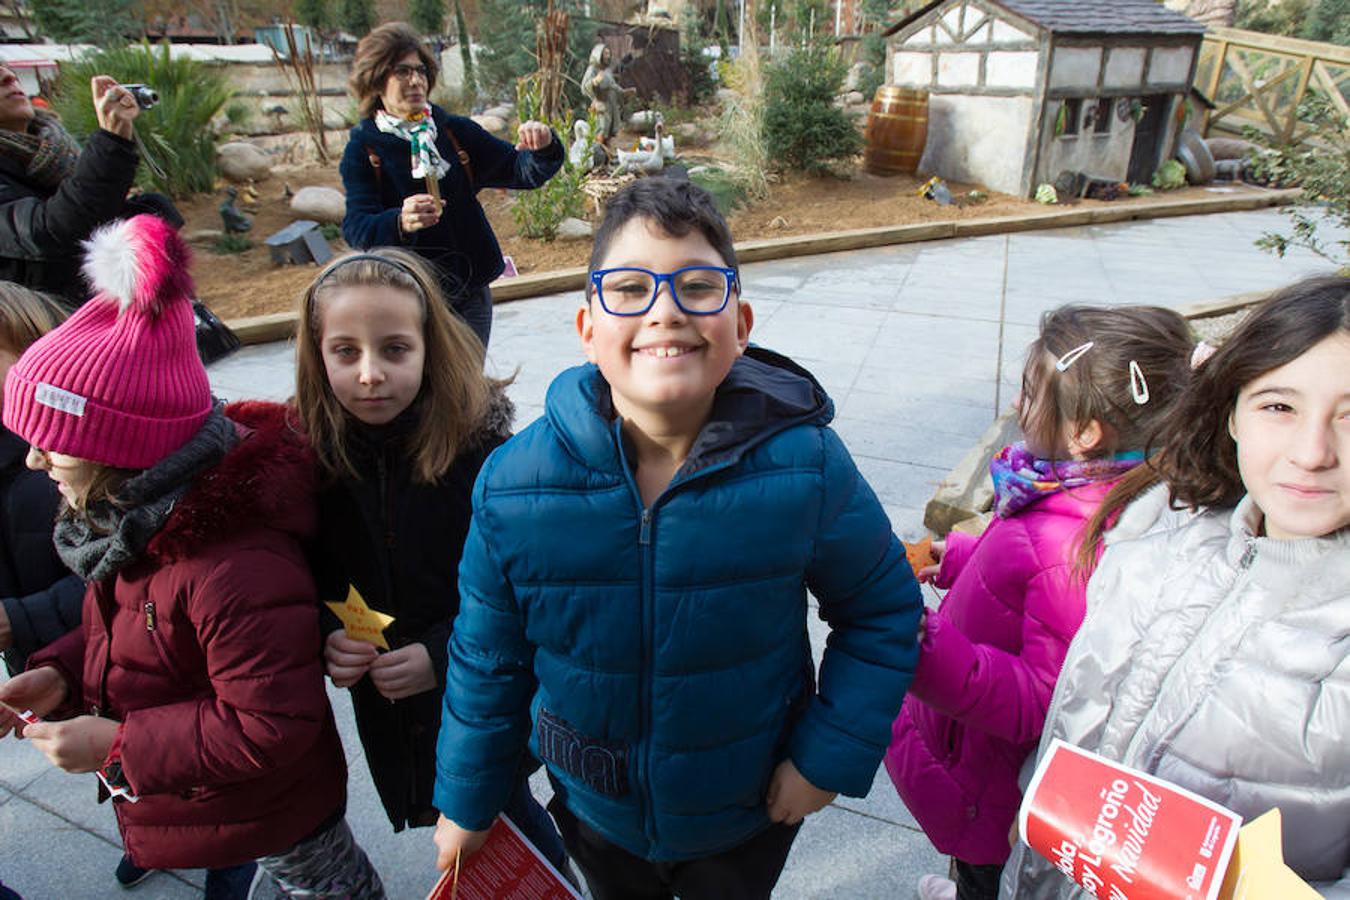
(763, 394)
(266, 481)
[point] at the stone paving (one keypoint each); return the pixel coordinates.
(920, 346)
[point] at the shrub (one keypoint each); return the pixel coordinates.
(803, 129)
(228, 244)
(177, 147)
(539, 212)
(1321, 169)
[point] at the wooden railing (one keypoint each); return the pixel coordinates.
(1259, 80)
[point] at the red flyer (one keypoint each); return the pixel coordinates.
(507, 867)
(1124, 835)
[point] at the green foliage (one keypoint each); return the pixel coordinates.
(506, 32)
(238, 114)
(1328, 20)
(697, 66)
(539, 212)
(1321, 169)
(101, 22)
(727, 190)
(1282, 17)
(315, 13)
(803, 129)
(356, 16)
(331, 231)
(427, 16)
(228, 244)
(178, 147)
(1170, 176)
(874, 64)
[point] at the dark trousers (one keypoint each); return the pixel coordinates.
(533, 822)
(475, 308)
(230, 884)
(745, 872)
(975, 882)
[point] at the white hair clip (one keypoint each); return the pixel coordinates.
(1138, 384)
(1203, 351)
(1068, 359)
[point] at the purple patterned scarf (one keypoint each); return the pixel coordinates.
(1021, 478)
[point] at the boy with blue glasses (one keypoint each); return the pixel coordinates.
(634, 587)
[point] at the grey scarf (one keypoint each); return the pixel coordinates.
(46, 150)
(110, 535)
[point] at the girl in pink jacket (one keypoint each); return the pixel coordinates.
(1095, 383)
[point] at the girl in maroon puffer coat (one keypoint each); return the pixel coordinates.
(194, 684)
(1095, 382)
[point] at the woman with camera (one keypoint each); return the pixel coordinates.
(53, 194)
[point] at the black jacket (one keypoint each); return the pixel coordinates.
(399, 542)
(41, 229)
(461, 245)
(41, 597)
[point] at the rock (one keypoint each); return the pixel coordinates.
(968, 490)
(726, 95)
(491, 124)
(642, 120)
(203, 235)
(778, 223)
(240, 161)
(503, 112)
(853, 98)
(334, 119)
(1230, 148)
(574, 230)
(322, 204)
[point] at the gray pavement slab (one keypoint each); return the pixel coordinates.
(919, 345)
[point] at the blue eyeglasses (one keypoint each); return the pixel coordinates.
(697, 290)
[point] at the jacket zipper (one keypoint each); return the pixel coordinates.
(647, 515)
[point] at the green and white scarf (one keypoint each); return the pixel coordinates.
(421, 134)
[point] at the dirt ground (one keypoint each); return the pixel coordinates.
(248, 284)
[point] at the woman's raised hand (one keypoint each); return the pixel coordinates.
(533, 136)
(419, 211)
(114, 106)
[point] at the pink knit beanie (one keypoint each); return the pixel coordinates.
(120, 381)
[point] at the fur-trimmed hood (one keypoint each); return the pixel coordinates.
(267, 480)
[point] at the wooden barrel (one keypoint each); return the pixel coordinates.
(897, 127)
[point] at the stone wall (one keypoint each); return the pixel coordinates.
(979, 139)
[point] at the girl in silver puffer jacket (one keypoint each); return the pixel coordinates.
(1216, 648)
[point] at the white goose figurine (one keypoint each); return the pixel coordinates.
(665, 142)
(640, 162)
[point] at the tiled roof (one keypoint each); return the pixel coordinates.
(1086, 16)
(1104, 16)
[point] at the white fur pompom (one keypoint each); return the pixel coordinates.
(110, 262)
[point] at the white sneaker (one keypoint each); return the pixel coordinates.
(935, 887)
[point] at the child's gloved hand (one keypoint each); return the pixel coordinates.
(40, 691)
(347, 660)
(930, 573)
(80, 744)
(453, 841)
(791, 797)
(403, 672)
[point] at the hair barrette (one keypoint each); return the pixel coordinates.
(1138, 384)
(1202, 352)
(1068, 359)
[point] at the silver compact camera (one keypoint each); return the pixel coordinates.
(145, 95)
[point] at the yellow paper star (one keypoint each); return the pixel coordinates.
(362, 622)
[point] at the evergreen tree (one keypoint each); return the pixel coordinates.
(314, 13)
(105, 23)
(427, 16)
(357, 16)
(1328, 21)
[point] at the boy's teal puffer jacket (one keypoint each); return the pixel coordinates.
(657, 660)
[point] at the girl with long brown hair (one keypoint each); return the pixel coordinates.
(391, 391)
